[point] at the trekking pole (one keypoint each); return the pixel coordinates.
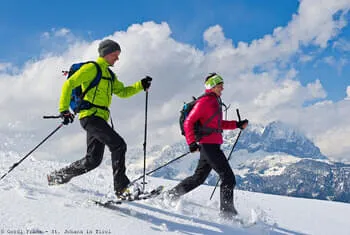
(17, 163)
(150, 172)
(229, 156)
(144, 144)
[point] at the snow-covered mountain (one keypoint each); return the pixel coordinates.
(274, 159)
(302, 178)
(277, 137)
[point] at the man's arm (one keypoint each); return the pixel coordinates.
(126, 91)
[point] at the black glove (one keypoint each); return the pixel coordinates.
(67, 117)
(242, 124)
(193, 147)
(146, 82)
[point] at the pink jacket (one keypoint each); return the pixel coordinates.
(202, 111)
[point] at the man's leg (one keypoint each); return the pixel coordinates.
(105, 134)
(93, 158)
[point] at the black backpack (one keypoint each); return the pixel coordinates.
(199, 130)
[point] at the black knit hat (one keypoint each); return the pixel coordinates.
(108, 46)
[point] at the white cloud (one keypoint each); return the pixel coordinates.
(56, 41)
(62, 32)
(306, 58)
(281, 94)
(348, 93)
(329, 60)
(336, 63)
(316, 23)
(342, 44)
(5, 66)
(178, 70)
(316, 90)
(214, 36)
(338, 134)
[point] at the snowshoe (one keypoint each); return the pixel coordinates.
(56, 178)
(131, 192)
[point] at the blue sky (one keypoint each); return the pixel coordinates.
(23, 22)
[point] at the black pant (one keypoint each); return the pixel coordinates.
(211, 157)
(99, 134)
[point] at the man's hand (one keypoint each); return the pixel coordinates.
(146, 82)
(67, 117)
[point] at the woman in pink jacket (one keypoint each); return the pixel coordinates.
(208, 111)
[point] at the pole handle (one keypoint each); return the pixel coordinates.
(52, 116)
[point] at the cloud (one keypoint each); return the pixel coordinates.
(4, 66)
(306, 58)
(338, 135)
(342, 44)
(258, 80)
(336, 63)
(215, 37)
(7, 68)
(347, 93)
(62, 32)
(315, 90)
(56, 41)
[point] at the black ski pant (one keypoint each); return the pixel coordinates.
(211, 157)
(98, 134)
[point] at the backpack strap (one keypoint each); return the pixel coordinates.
(113, 77)
(95, 81)
(84, 104)
(88, 105)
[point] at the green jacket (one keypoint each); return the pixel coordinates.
(99, 95)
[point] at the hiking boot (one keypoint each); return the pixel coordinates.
(171, 195)
(56, 178)
(228, 214)
(129, 192)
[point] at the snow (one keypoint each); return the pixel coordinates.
(29, 206)
(265, 164)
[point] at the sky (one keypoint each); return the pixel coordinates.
(281, 60)
(27, 203)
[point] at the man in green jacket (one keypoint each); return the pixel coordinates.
(94, 117)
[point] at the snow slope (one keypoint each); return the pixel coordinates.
(28, 205)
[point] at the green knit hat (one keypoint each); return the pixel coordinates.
(213, 80)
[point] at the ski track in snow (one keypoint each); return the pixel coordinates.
(27, 202)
